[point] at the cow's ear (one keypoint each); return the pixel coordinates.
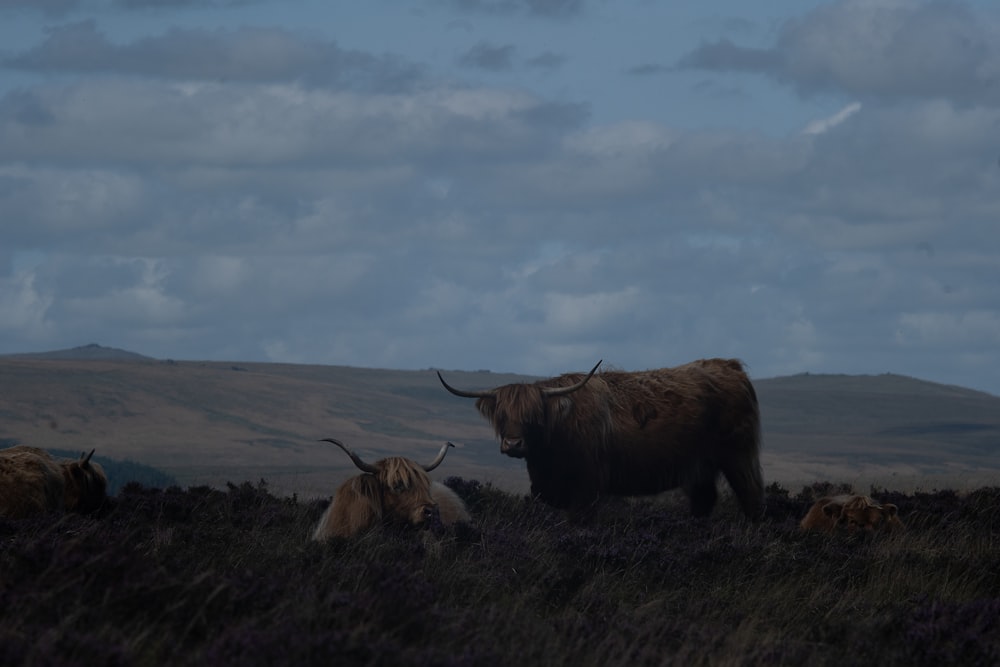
(890, 509)
(487, 406)
(833, 510)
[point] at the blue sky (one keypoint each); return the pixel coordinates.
(520, 185)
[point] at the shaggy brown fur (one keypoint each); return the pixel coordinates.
(32, 482)
(399, 490)
(852, 513)
(635, 434)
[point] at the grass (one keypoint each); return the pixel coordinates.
(207, 576)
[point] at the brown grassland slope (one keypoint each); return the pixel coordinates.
(213, 422)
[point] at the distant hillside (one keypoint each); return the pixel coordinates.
(92, 351)
(890, 424)
(213, 422)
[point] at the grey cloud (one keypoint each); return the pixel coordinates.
(251, 153)
(26, 109)
(723, 54)
(163, 4)
(557, 117)
(50, 7)
(912, 49)
(62, 7)
(546, 60)
(712, 88)
(542, 8)
(492, 57)
(244, 54)
(648, 69)
(138, 123)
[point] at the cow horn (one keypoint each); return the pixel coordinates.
(440, 457)
(562, 391)
(358, 461)
(84, 460)
(486, 393)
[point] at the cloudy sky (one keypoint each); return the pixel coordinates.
(519, 185)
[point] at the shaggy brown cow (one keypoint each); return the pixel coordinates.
(32, 482)
(853, 513)
(393, 488)
(640, 433)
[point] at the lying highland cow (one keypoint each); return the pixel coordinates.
(32, 482)
(393, 488)
(852, 513)
(626, 434)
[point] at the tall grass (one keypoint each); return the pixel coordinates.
(216, 577)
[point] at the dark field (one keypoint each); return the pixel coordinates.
(228, 577)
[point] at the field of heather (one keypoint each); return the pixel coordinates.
(228, 577)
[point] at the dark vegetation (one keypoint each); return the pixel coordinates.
(226, 577)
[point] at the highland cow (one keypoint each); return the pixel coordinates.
(391, 489)
(32, 482)
(852, 513)
(626, 434)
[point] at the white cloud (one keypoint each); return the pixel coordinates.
(974, 327)
(578, 314)
(24, 307)
(826, 124)
(886, 49)
(145, 303)
(630, 137)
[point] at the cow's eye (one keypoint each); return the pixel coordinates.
(399, 487)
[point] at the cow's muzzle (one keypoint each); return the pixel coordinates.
(430, 517)
(513, 447)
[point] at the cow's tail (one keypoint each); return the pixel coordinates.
(742, 469)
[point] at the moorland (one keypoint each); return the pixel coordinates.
(216, 566)
(205, 576)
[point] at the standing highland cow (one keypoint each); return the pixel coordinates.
(32, 482)
(393, 488)
(618, 433)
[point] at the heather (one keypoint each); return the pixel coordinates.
(225, 577)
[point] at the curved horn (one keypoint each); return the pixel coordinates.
(84, 460)
(466, 394)
(440, 457)
(358, 461)
(562, 391)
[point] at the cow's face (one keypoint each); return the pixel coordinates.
(406, 490)
(870, 518)
(522, 415)
(86, 484)
(861, 514)
(518, 413)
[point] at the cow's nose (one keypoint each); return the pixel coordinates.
(510, 444)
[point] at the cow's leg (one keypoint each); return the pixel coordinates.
(747, 483)
(702, 495)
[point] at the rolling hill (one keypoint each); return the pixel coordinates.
(212, 422)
